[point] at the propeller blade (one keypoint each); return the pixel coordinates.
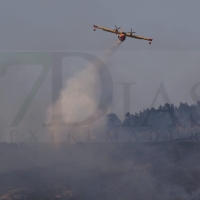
(131, 32)
(117, 28)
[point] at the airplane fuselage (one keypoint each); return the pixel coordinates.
(122, 36)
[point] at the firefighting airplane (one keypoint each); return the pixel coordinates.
(122, 35)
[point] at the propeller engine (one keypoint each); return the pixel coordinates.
(116, 30)
(131, 33)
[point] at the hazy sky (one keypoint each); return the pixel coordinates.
(58, 25)
(47, 25)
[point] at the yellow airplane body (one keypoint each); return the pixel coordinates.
(122, 35)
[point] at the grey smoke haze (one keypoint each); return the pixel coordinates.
(142, 171)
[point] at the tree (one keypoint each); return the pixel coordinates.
(113, 120)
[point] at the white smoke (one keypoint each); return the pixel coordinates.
(111, 49)
(79, 98)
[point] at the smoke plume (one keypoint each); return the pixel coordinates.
(80, 95)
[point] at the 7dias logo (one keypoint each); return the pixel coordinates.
(51, 62)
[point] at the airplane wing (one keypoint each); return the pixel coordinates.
(138, 37)
(128, 34)
(106, 29)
